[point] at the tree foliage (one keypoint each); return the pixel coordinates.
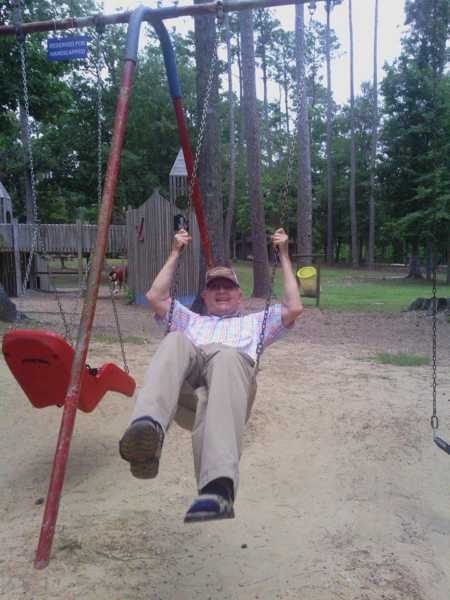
(415, 136)
(412, 168)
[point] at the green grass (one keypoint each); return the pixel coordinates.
(401, 359)
(347, 290)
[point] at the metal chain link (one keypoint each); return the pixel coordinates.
(283, 210)
(434, 418)
(35, 243)
(173, 293)
(100, 180)
(83, 284)
(260, 345)
(119, 331)
(99, 119)
(292, 144)
(201, 134)
(203, 120)
(67, 326)
(440, 443)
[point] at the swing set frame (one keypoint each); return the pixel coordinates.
(134, 19)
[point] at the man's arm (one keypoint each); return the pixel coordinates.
(292, 305)
(159, 294)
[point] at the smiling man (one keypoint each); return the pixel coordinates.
(215, 354)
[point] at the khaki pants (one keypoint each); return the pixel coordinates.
(224, 383)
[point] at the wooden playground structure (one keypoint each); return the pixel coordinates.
(57, 240)
(144, 242)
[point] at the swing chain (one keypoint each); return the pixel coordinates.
(201, 134)
(293, 145)
(99, 115)
(119, 331)
(172, 297)
(283, 207)
(100, 28)
(35, 243)
(260, 345)
(67, 326)
(434, 419)
(440, 443)
(203, 120)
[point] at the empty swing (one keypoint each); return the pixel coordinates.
(40, 360)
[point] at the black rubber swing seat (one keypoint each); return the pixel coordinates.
(41, 362)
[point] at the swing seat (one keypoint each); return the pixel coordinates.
(41, 361)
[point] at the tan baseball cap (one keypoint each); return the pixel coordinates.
(221, 273)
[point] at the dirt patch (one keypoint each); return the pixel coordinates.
(343, 493)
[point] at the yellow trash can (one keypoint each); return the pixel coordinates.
(308, 281)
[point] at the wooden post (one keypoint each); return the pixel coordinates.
(318, 286)
(17, 268)
(80, 252)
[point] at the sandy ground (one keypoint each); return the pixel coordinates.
(343, 496)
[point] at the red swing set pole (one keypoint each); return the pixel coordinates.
(175, 92)
(87, 317)
(85, 328)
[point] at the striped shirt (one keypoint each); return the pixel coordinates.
(240, 332)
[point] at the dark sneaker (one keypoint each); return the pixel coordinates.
(141, 446)
(210, 507)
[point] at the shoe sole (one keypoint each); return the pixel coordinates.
(201, 517)
(141, 447)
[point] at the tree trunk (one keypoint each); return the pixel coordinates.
(448, 266)
(251, 121)
(373, 155)
(328, 142)
(430, 264)
(266, 110)
(241, 101)
(304, 194)
(263, 26)
(353, 217)
(232, 173)
(414, 271)
(338, 250)
(210, 159)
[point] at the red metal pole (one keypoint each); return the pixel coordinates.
(87, 318)
(196, 196)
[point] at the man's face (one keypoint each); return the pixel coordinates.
(222, 297)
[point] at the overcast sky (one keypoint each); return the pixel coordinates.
(391, 19)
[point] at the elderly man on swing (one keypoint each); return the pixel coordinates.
(215, 354)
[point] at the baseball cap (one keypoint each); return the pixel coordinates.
(221, 272)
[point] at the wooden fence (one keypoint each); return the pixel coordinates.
(62, 238)
(150, 231)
